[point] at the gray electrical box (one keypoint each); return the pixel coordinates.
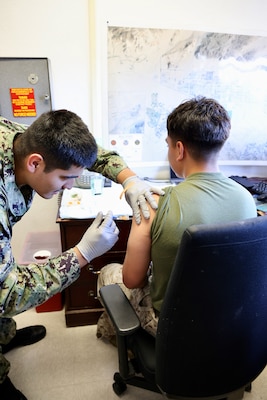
(24, 88)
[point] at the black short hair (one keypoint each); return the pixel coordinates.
(202, 124)
(63, 140)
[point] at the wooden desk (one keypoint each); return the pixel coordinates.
(81, 304)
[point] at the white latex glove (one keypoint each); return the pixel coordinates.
(99, 237)
(137, 193)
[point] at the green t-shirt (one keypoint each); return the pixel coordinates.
(203, 198)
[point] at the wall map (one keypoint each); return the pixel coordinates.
(150, 71)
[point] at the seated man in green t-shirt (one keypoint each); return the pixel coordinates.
(197, 130)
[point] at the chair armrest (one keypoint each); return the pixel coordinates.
(119, 310)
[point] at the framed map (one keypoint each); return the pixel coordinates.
(151, 71)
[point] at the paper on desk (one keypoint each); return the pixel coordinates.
(262, 207)
(81, 203)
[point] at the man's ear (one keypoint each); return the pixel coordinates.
(180, 150)
(34, 162)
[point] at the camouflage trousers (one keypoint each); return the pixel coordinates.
(139, 298)
(7, 332)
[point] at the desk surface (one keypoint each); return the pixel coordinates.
(78, 203)
(81, 203)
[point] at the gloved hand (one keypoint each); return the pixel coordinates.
(99, 237)
(137, 193)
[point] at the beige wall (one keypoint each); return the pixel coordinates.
(59, 30)
(72, 35)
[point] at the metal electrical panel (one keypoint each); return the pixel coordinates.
(24, 88)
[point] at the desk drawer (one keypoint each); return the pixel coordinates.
(83, 293)
(71, 232)
(81, 304)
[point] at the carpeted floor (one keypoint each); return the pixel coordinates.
(72, 364)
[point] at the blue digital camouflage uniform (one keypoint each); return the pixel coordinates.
(23, 287)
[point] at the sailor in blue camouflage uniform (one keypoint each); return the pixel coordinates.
(23, 287)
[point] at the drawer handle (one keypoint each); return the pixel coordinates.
(91, 293)
(90, 268)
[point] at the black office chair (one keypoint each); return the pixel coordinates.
(211, 341)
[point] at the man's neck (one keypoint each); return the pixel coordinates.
(200, 167)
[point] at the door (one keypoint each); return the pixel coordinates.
(24, 88)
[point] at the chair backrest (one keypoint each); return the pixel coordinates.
(212, 332)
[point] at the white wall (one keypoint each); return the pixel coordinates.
(239, 16)
(59, 30)
(72, 34)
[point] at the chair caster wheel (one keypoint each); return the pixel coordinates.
(248, 388)
(119, 386)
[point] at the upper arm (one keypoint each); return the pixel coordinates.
(108, 163)
(138, 253)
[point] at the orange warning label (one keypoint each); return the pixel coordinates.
(23, 102)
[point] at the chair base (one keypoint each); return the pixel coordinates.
(236, 395)
(120, 386)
